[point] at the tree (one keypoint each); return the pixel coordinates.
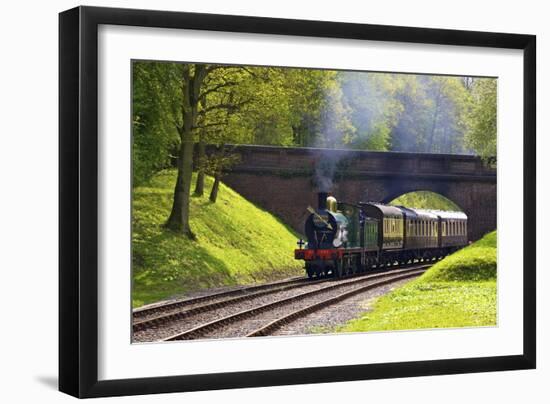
(432, 114)
(224, 94)
(154, 135)
(192, 77)
(206, 104)
(481, 132)
(374, 107)
(217, 163)
(336, 128)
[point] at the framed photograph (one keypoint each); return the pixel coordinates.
(250, 201)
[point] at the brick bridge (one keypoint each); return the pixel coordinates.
(283, 181)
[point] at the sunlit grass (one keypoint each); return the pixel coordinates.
(459, 291)
(236, 243)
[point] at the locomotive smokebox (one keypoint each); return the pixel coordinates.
(322, 200)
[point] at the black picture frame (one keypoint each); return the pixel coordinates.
(78, 200)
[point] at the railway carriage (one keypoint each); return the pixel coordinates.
(454, 228)
(344, 238)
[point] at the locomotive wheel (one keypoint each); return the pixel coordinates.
(338, 268)
(358, 267)
(310, 270)
(350, 267)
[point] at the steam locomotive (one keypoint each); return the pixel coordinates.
(344, 239)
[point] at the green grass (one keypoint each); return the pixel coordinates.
(236, 243)
(459, 291)
(425, 200)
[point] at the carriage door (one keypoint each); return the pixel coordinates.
(371, 234)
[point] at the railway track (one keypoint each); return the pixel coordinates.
(252, 321)
(216, 302)
(157, 310)
(158, 314)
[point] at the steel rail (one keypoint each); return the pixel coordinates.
(172, 305)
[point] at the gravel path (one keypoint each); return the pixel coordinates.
(328, 318)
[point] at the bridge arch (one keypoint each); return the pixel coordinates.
(425, 199)
(393, 192)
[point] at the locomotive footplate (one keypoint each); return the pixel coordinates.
(319, 254)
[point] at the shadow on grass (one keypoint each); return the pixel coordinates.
(169, 264)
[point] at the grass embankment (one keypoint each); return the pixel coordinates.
(459, 291)
(236, 243)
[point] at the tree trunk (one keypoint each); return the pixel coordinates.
(174, 220)
(179, 216)
(215, 188)
(199, 186)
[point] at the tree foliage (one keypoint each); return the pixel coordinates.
(154, 135)
(482, 119)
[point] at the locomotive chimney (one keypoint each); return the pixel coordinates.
(322, 200)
